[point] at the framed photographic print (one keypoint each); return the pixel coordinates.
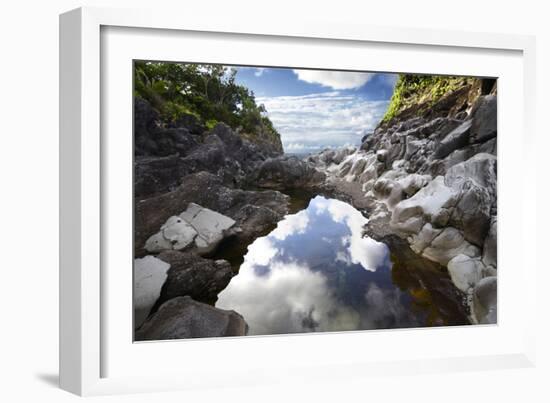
(253, 196)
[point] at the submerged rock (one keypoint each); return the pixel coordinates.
(183, 318)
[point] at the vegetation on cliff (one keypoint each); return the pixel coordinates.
(421, 92)
(208, 92)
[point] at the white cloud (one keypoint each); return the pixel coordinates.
(292, 224)
(290, 298)
(259, 71)
(313, 122)
(260, 252)
(338, 80)
(361, 250)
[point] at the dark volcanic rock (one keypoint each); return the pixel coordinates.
(208, 191)
(192, 123)
(170, 154)
(458, 138)
(191, 275)
(484, 125)
(286, 172)
(151, 139)
(166, 152)
(183, 318)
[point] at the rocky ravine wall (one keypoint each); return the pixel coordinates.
(432, 181)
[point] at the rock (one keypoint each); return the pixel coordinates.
(208, 191)
(448, 244)
(484, 125)
(149, 276)
(476, 179)
(490, 246)
(424, 204)
(420, 241)
(182, 318)
(485, 301)
(202, 226)
(381, 155)
(465, 271)
(190, 122)
(286, 172)
(193, 276)
(166, 153)
(209, 225)
(456, 139)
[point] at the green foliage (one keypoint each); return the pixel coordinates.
(414, 89)
(211, 123)
(206, 91)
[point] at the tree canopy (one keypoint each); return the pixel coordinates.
(209, 92)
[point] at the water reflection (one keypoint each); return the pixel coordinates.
(316, 272)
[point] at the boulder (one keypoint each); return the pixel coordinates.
(490, 245)
(456, 139)
(448, 244)
(476, 180)
(191, 275)
(150, 274)
(465, 271)
(485, 301)
(285, 172)
(183, 318)
(203, 227)
(210, 225)
(484, 125)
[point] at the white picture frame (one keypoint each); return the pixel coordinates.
(97, 355)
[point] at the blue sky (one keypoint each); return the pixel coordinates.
(315, 109)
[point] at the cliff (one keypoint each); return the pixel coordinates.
(427, 175)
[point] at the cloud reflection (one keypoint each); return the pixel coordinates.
(312, 273)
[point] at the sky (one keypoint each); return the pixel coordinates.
(316, 109)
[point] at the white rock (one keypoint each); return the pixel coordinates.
(448, 244)
(204, 227)
(209, 225)
(485, 301)
(157, 243)
(424, 238)
(149, 275)
(465, 271)
(180, 234)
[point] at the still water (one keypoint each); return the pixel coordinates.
(317, 272)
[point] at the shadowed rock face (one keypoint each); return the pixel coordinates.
(182, 318)
(285, 172)
(251, 211)
(189, 274)
(165, 154)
